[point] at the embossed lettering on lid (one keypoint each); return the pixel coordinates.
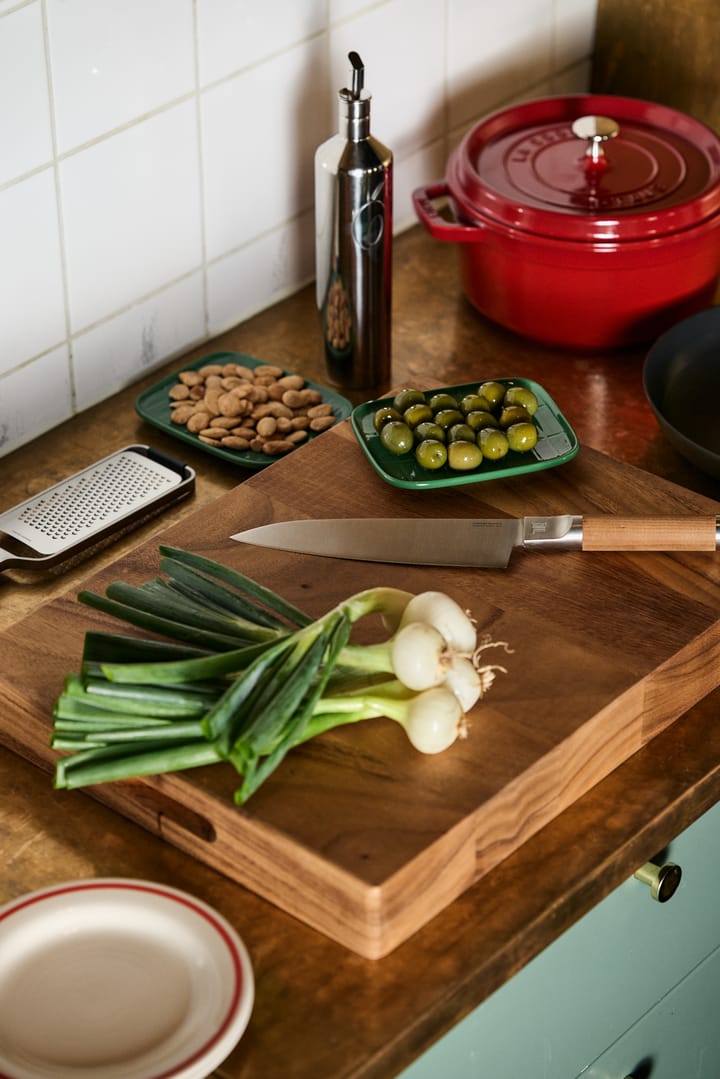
(590, 168)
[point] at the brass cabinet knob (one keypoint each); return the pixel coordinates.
(663, 880)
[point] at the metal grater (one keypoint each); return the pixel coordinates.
(90, 505)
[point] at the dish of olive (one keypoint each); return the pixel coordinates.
(489, 429)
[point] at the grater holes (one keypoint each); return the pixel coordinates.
(88, 501)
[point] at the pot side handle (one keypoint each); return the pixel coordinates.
(437, 225)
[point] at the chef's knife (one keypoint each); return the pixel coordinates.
(485, 543)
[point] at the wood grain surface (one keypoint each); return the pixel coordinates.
(611, 533)
(661, 51)
(322, 1010)
(357, 834)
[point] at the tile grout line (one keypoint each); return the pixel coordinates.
(201, 174)
(59, 208)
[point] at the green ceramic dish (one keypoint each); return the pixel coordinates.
(556, 444)
(154, 406)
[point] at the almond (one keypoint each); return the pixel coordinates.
(213, 432)
(310, 396)
(230, 405)
(291, 382)
(278, 447)
(322, 423)
(293, 399)
(268, 370)
(227, 422)
(324, 409)
(212, 402)
(182, 414)
(190, 378)
(235, 442)
(266, 427)
(198, 422)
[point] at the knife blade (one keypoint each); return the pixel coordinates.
(485, 543)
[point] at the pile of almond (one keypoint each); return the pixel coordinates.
(241, 408)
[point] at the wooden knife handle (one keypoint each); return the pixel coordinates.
(649, 533)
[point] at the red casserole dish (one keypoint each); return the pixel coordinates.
(586, 222)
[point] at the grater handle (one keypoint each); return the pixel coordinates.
(7, 558)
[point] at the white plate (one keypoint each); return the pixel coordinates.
(118, 979)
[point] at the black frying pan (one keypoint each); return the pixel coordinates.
(681, 377)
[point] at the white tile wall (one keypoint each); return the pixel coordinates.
(35, 397)
(156, 162)
(129, 345)
(115, 60)
(234, 34)
(251, 154)
(131, 212)
(25, 135)
(32, 307)
(495, 51)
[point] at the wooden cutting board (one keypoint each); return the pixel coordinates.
(357, 834)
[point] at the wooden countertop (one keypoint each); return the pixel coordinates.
(320, 1010)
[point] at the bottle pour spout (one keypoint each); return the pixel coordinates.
(354, 114)
(358, 74)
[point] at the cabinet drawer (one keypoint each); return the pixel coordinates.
(596, 980)
(680, 1037)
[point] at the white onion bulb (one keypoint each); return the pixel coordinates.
(447, 616)
(434, 720)
(418, 656)
(464, 680)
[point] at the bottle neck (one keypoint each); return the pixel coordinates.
(354, 116)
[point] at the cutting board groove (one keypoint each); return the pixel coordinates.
(357, 834)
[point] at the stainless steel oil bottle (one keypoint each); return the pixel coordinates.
(353, 245)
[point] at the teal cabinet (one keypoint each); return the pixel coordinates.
(612, 994)
(678, 1039)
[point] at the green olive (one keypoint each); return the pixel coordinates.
(493, 391)
(384, 415)
(442, 400)
(522, 437)
(493, 443)
(397, 437)
(475, 402)
(417, 413)
(431, 453)
(429, 430)
(514, 414)
(460, 432)
(404, 398)
(480, 419)
(464, 456)
(446, 417)
(521, 395)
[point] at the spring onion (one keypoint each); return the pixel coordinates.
(241, 676)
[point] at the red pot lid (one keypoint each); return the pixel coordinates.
(588, 167)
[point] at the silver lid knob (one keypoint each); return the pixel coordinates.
(595, 130)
